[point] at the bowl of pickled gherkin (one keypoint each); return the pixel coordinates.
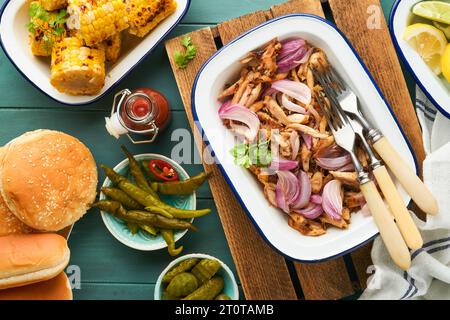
(144, 210)
(196, 277)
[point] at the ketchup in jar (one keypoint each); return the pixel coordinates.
(143, 112)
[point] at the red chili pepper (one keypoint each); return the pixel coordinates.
(160, 170)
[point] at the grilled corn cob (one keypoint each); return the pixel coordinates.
(51, 5)
(97, 20)
(76, 69)
(41, 34)
(145, 15)
(112, 47)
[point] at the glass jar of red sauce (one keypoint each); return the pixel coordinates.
(143, 112)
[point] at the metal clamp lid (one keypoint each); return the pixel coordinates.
(115, 112)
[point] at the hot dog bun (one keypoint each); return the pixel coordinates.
(57, 288)
(31, 258)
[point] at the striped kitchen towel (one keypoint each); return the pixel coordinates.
(429, 275)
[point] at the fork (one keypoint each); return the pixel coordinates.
(403, 218)
(405, 175)
(345, 137)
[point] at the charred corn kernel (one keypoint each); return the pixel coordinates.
(43, 36)
(76, 69)
(51, 5)
(112, 47)
(97, 20)
(145, 15)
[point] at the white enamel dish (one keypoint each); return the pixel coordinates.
(223, 68)
(435, 88)
(14, 41)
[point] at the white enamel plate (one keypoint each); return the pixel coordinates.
(14, 41)
(223, 68)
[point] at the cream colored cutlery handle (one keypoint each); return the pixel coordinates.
(412, 184)
(389, 232)
(398, 209)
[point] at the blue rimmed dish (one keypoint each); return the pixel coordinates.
(223, 67)
(142, 240)
(14, 42)
(436, 88)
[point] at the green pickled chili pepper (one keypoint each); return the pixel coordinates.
(158, 221)
(118, 195)
(184, 187)
(147, 199)
(149, 229)
(170, 240)
(142, 217)
(183, 266)
(184, 214)
(222, 296)
(133, 227)
(206, 269)
(208, 291)
(182, 285)
(159, 211)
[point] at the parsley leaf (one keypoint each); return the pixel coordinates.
(182, 59)
(48, 25)
(246, 155)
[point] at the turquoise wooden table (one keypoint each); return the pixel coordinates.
(109, 270)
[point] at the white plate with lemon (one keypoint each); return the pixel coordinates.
(421, 32)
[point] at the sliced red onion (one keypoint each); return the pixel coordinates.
(305, 191)
(334, 163)
(316, 199)
(305, 57)
(291, 106)
(283, 164)
(313, 211)
(308, 140)
(290, 46)
(332, 199)
(290, 62)
(287, 190)
(295, 144)
(347, 168)
(294, 89)
(240, 113)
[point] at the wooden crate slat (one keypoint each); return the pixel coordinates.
(298, 6)
(326, 280)
(229, 30)
(375, 47)
(361, 261)
(263, 273)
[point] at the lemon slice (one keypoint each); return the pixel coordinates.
(429, 42)
(445, 28)
(434, 10)
(445, 63)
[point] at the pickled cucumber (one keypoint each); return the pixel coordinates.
(206, 269)
(183, 266)
(207, 291)
(182, 285)
(222, 296)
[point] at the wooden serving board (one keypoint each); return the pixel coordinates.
(264, 274)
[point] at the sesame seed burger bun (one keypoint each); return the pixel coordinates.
(48, 179)
(57, 288)
(9, 224)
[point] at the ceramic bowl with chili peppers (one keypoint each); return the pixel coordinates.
(158, 169)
